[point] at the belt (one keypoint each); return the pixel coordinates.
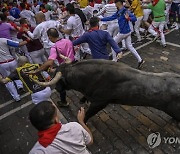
(159, 16)
(7, 61)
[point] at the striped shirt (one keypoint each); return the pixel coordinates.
(108, 10)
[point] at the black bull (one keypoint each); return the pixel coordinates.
(103, 82)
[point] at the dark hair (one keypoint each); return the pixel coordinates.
(4, 10)
(22, 21)
(41, 116)
(94, 21)
(53, 32)
(95, 11)
(70, 8)
(42, 6)
(60, 3)
(3, 17)
(45, 1)
(121, 1)
(22, 5)
(14, 4)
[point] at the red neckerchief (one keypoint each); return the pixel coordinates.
(110, 2)
(24, 26)
(63, 10)
(44, 11)
(91, 4)
(47, 136)
(94, 28)
(155, 2)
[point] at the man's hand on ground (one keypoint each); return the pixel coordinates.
(119, 55)
(81, 115)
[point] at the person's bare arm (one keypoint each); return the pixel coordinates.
(80, 117)
(65, 31)
(23, 42)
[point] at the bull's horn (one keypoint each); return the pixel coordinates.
(53, 81)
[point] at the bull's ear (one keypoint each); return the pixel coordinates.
(53, 81)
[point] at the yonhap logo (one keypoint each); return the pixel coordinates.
(154, 140)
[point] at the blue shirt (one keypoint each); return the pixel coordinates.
(15, 12)
(124, 27)
(97, 40)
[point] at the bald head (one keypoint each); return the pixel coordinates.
(22, 60)
(40, 17)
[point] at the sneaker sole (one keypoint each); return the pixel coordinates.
(141, 65)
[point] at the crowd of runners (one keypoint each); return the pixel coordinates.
(38, 35)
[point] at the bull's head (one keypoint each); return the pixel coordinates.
(53, 81)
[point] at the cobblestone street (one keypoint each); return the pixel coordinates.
(118, 129)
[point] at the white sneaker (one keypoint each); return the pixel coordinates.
(177, 26)
(174, 25)
(115, 60)
(17, 99)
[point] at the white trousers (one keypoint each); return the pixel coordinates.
(42, 95)
(131, 26)
(38, 57)
(12, 89)
(113, 28)
(146, 12)
(137, 27)
(25, 51)
(167, 14)
(154, 32)
(5, 70)
(84, 48)
(47, 52)
(127, 37)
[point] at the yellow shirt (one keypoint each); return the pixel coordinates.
(83, 3)
(136, 8)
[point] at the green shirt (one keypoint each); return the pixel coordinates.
(158, 11)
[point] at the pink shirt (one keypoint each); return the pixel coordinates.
(64, 47)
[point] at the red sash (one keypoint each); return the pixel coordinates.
(155, 2)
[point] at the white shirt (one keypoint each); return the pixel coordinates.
(98, 6)
(29, 15)
(11, 18)
(4, 50)
(74, 23)
(47, 15)
(72, 138)
(35, 9)
(88, 11)
(176, 1)
(40, 32)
